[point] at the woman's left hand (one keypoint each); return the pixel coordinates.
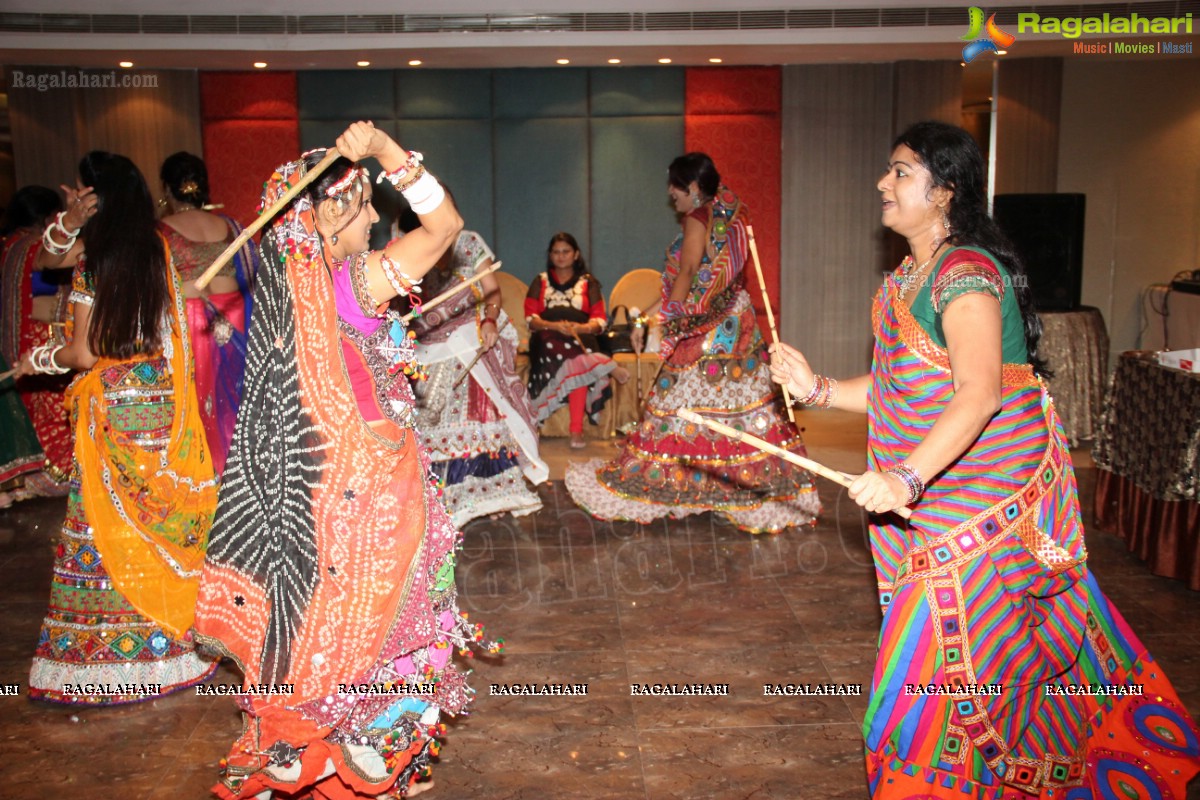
(25, 366)
(489, 333)
(879, 492)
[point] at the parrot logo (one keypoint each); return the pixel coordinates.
(978, 43)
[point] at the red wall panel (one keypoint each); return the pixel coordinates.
(250, 126)
(733, 114)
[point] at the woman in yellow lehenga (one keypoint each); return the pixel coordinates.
(126, 573)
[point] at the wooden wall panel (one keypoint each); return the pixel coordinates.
(926, 90)
(1027, 125)
(837, 126)
(54, 128)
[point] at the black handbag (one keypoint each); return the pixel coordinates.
(617, 336)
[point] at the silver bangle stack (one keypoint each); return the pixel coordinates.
(912, 479)
(42, 360)
(53, 247)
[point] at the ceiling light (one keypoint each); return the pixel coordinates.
(364, 63)
(1001, 52)
(714, 61)
(562, 61)
(416, 62)
(664, 61)
(614, 61)
(260, 65)
(126, 64)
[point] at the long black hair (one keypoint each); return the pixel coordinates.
(186, 178)
(955, 163)
(696, 167)
(125, 258)
(580, 264)
(30, 207)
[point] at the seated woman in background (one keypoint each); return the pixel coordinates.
(480, 430)
(565, 312)
(34, 297)
(220, 316)
(143, 493)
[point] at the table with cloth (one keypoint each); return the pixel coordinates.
(1148, 454)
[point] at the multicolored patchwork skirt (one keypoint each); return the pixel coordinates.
(94, 647)
(672, 468)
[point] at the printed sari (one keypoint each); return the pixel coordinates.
(991, 619)
(715, 365)
(127, 567)
(219, 324)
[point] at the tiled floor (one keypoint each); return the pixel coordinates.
(585, 602)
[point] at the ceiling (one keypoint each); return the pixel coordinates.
(474, 34)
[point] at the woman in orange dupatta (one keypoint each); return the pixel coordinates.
(330, 574)
(127, 568)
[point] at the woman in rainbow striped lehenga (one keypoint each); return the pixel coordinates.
(1003, 671)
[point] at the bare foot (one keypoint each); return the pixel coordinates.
(577, 441)
(419, 788)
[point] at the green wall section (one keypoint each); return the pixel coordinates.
(527, 152)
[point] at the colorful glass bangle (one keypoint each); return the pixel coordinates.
(912, 479)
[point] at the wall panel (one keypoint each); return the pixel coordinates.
(837, 126)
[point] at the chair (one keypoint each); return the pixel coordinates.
(512, 300)
(640, 288)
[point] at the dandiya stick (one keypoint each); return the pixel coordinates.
(767, 447)
(331, 155)
(6, 375)
(787, 398)
(475, 360)
(453, 290)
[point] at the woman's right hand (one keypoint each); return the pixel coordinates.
(81, 206)
(790, 368)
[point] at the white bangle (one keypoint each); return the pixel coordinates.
(58, 221)
(53, 247)
(425, 194)
(42, 360)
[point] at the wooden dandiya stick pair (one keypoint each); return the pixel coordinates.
(787, 397)
(761, 444)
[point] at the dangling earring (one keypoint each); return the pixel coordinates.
(696, 201)
(946, 223)
(333, 240)
(162, 202)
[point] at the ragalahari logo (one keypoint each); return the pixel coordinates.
(994, 41)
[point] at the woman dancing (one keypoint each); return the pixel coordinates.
(220, 316)
(34, 304)
(714, 363)
(987, 586)
(331, 565)
(127, 568)
(480, 430)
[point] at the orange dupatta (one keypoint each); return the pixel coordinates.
(150, 511)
